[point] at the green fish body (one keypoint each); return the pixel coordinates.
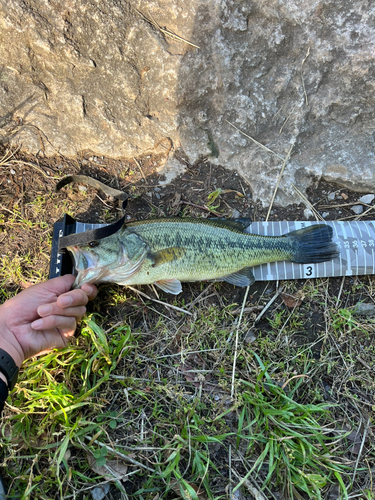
(167, 252)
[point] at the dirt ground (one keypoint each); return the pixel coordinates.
(28, 200)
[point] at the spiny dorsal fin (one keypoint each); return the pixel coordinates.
(236, 225)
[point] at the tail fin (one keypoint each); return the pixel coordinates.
(313, 244)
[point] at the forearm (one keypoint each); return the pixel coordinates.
(7, 346)
(8, 370)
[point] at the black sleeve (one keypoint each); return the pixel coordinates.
(3, 394)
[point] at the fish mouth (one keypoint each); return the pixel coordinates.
(86, 265)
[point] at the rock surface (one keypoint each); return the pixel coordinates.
(110, 78)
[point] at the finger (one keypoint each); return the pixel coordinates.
(61, 284)
(66, 323)
(73, 298)
(53, 309)
(91, 290)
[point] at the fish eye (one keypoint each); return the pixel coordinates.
(93, 244)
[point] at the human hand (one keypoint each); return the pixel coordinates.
(42, 317)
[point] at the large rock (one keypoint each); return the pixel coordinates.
(106, 76)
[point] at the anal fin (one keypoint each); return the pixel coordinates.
(243, 277)
(170, 286)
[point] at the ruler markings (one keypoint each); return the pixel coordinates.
(269, 274)
(365, 253)
(334, 225)
(356, 237)
(371, 243)
(355, 241)
(362, 247)
(276, 267)
(349, 271)
(343, 224)
(359, 224)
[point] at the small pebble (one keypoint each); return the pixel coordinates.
(357, 209)
(100, 492)
(236, 214)
(250, 337)
(331, 196)
(367, 198)
(12, 171)
(364, 309)
(82, 188)
(157, 190)
(157, 196)
(325, 214)
(307, 213)
(84, 162)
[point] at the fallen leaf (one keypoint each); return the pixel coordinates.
(189, 375)
(356, 438)
(113, 469)
(291, 301)
(176, 199)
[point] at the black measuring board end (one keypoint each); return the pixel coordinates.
(61, 263)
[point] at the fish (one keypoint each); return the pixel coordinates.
(166, 252)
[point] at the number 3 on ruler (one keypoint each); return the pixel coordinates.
(309, 271)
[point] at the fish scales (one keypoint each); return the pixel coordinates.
(209, 251)
(168, 251)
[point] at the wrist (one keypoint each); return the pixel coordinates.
(8, 368)
(12, 351)
(8, 341)
(3, 378)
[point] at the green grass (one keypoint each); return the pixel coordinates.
(144, 397)
(67, 402)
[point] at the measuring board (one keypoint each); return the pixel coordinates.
(355, 240)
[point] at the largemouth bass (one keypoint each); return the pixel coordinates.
(166, 252)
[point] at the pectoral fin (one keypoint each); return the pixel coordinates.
(243, 277)
(166, 255)
(170, 286)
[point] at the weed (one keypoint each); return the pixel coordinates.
(150, 389)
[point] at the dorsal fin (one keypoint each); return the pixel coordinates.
(235, 224)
